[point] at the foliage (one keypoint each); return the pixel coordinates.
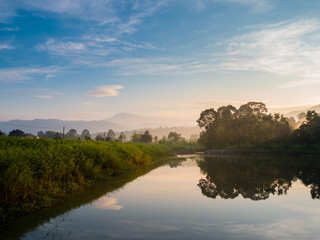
(2, 134)
(72, 134)
(248, 125)
(175, 137)
(50, 135)
(16, 133)
(309, 132)
(122, 137)
(111, 135)
(145, 137)
(85, 135)
(37, 173)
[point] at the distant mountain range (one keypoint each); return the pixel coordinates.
(296, 113)
(119, 122)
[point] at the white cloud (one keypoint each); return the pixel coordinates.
(43, 96)
(62, 48)
(6, 46)
(10, 75)
(105, 91)
(285, 49)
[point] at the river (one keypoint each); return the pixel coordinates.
(191, 198)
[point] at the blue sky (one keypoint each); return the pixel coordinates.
(86, 59)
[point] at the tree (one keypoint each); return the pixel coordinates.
(72, 134)
(249, 124)
(85, 135)
(16, 133)
(206, 118)
(155, 138)
(174, 137)
(2, 134)
(40, 134)
(309, 132)
(146, 137)
(136, 137)
(111, 135)
(57, 136)
(100, 137)
(122, 137)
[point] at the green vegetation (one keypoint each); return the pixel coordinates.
(37, 173)
(250, 127)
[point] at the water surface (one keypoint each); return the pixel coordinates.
(199, 198)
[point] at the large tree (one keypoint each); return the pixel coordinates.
(16, 133)
(146, 137)
(72, 134)
(250, 124)
(85, 135)
(111, 135)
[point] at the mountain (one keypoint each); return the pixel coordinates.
(296, 113)
(36, 125)
(119, 122)
(133, 121)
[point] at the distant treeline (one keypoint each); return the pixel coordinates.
(190, 134)
(250, 126)
(37, 173)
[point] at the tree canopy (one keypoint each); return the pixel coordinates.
(16, 133)
(249, 124)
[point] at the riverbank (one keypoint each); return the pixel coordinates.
(268, 150)
(37, 173)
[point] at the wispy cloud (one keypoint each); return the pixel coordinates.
(6, 46)
(156, 66)
(141, 10)
(105, 91)
(11, 75)
(43, 96)
(111, 12)
(62, 48)
(285, 49)
(10, 29)
(256, 5)
(91, 45)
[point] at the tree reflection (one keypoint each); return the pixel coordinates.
(256, 178)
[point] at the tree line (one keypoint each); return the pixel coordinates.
(138, 137)
(251, 125)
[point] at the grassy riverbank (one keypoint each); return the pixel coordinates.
(36, 173)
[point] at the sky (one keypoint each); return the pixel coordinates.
(91, 59)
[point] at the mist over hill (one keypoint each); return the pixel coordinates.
(296, 113)
(119, 122)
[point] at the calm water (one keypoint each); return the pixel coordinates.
(212, 198)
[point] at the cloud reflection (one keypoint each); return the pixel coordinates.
(107, 203)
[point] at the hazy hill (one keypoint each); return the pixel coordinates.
(133, 121)
(295, 113)
(119, 122)
(36, 125)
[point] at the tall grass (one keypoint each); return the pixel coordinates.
(37, 173)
